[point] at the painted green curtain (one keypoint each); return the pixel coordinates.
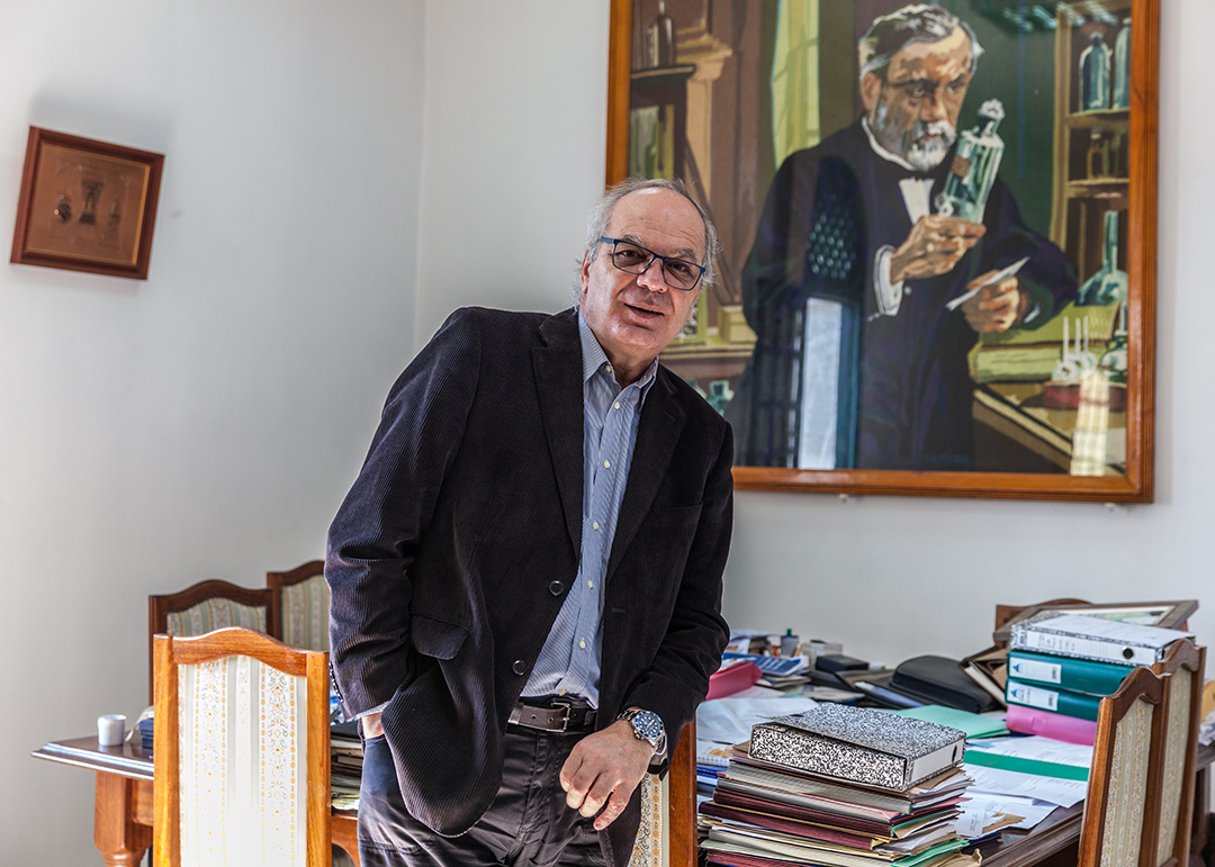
(795, 102)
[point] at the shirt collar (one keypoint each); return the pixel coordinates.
(594, 359)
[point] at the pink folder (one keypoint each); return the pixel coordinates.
(1032, 721)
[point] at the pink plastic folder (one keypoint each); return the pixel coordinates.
(1032, 721)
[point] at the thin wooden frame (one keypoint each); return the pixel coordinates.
(1171, 614)
(171, 652)
(1135, 484)
(86, 205)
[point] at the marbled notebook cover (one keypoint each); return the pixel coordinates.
(858, 745)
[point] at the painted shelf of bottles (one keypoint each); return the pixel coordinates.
(1092, 128)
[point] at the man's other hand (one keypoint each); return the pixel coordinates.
(372, 728)
(934, 246)
(605, 768)
(996, 307)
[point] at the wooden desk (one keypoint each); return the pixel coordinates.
(122, 805)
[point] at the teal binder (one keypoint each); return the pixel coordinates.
(1061, 701)
(1062, 672)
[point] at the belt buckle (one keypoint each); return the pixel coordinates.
(568, 706)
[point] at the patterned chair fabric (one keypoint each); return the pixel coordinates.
(306, 614)
(212, 614)
(651, 848)
(1128, 788)
(243, 762)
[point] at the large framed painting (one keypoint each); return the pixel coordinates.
(938, 226)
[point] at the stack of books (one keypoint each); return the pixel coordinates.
(1060, 666)
(346, 756)
(839, 786)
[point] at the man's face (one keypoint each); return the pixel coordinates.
(913, 111)
(634, 316)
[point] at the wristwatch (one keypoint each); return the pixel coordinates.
(648, 727)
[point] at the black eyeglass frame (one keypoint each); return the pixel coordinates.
(700, 269)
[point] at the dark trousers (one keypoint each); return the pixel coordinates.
(527, 824)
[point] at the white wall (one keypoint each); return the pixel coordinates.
(206, 422)
(889, 577)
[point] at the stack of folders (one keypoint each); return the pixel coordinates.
(1061, 665)
(346, 755)
(839, 786)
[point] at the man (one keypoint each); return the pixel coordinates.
(526, 576)
(859, 360)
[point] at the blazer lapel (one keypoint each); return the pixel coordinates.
(557, 367)
(657, 434)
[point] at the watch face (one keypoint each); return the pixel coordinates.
(648, 725)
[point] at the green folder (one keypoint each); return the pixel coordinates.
(989, 759)
(1055, 700)
(975, 725)
(1062, 672)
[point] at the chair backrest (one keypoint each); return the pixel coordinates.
(1121, 821)
(1183, 665)
(210, 605)
(241, 752)
(304, 605)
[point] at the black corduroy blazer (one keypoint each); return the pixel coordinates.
(453, 552)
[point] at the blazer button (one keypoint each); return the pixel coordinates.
(519, 667)
(555, 587)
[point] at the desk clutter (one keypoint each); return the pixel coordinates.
(839, 785)
(822, 758)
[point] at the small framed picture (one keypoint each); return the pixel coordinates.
(1170, 614)
(86, 205)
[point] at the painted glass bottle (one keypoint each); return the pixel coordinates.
(1095, 75)
(1108, 284)
(975, 164)
(1122, 66)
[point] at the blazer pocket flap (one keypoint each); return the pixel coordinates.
(436, 638)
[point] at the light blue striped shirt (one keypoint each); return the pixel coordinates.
(569, 661)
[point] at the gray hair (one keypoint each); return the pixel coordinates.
(601, 214)
(917, 22)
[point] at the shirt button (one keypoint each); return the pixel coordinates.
(616, 405)
(555, 587)
(607, 465)
(582, 644)
(590, 584)
(519, 667)
(594, 525)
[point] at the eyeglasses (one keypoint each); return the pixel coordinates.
(635, 259)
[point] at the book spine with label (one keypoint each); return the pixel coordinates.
(1055, 700)
(1082, 647)
(1075, 675)
(1032, 721)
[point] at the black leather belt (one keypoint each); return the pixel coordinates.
(554, 716)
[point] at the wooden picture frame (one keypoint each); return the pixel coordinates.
(1169, 614)
(86, 205)
(693, 94)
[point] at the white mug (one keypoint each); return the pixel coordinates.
(111, 729)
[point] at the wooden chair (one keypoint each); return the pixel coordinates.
(304, 605)
(1183, 668)
(241, 752)
(1121, 822)
(211, 605)
(667, 835)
